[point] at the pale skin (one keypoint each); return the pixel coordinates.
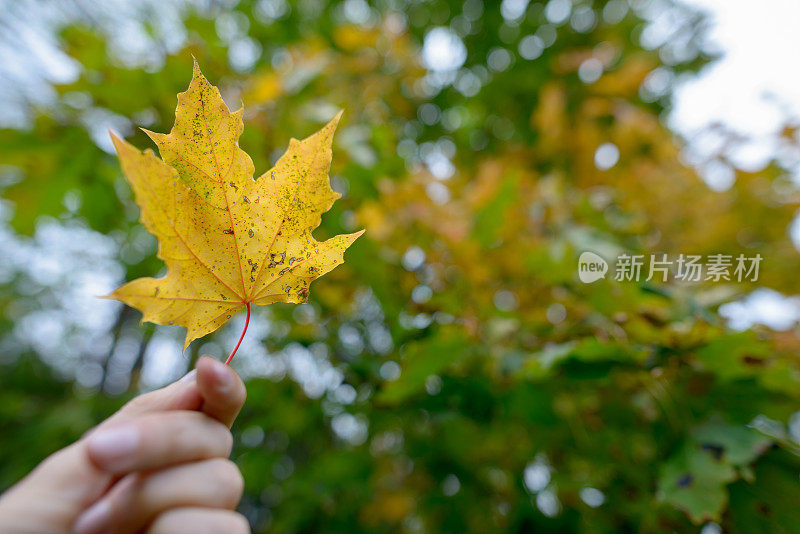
(159, 465)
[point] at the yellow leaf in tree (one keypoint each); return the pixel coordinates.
(228, 240)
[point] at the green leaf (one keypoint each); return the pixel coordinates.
(421, 360)
(694, 481)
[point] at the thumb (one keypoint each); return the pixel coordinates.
(180, 395)
(212, 387)
(221, 389)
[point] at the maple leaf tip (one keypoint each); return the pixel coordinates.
(324, 134)
(117, 140)
(349, 239)
(334, 122)
(197, 74)
(154, 136)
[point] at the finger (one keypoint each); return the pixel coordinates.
(139, 498)
(68, 476)
(180, 395)
(66, 480)
(158, 440)
(199, 521)
(222, 390)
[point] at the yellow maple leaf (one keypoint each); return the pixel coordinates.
(228, 240)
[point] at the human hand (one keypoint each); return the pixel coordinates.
(158, 464)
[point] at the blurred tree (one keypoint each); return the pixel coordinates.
(454, 375)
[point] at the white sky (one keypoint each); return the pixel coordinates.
(751, 89)
(755, 85)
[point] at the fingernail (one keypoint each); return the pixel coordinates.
(222, 373)
(189, 377)
(113, 447)
(94, 519)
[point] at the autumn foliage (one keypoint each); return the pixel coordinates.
(454, 375)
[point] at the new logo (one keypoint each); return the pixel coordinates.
(591, 267)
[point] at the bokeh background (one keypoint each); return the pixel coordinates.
(454, 375)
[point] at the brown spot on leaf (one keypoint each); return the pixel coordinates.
(715, 450)
(272, 260)
(753, 360)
